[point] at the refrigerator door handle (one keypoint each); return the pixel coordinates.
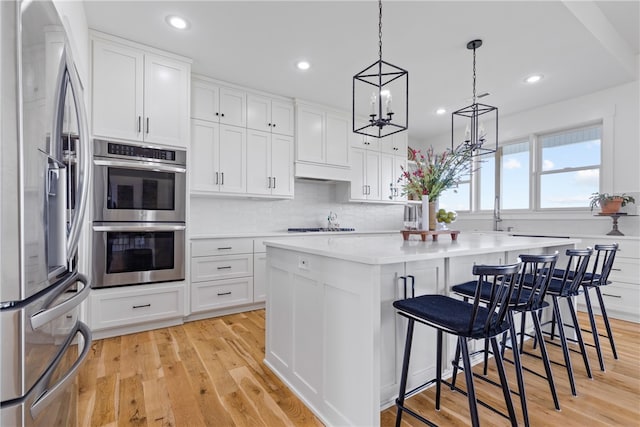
(49, 314)
(83, 150)
(51, 393)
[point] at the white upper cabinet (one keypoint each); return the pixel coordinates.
(390, 171)
(322, 142)
(395, 144)
(218, 158)
(365, 175)
(219, 104)
(139, 95)
(311, 134)
(270, 115)
(270, 164)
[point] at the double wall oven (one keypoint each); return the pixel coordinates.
(139, 214)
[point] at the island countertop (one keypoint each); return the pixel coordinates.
(378, 250)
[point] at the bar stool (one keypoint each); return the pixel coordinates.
(466, 321)
(566, 288)
(536, 269)
(596, 279)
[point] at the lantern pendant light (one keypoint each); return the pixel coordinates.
(479, 122)
(380, 96)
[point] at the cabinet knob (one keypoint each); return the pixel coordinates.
(269, 124)
(217, 114)
(222, 114)
(274, 125)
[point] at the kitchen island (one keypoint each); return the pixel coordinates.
(332, 334)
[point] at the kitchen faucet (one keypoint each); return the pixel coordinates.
(496, 214)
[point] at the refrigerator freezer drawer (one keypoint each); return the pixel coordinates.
(53, 399)
(33, 334)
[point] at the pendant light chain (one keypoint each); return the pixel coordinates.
(474, 75)
(380, 30)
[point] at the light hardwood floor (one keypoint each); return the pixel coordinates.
(210, 373)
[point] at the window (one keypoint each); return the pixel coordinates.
(486, 168)
(514, 176)
(458, 198)
(569, 167)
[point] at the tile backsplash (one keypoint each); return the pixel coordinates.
(312, 203)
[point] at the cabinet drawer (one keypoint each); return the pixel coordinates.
(221, 293)
(625, 270)
(221, 247)
(221, 267)
(621, 297)
(110, 308)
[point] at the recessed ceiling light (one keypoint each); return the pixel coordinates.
(303, 65)
(534, 78)
(177, 22)
(440, 111)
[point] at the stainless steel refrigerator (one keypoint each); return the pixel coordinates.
(45, 171)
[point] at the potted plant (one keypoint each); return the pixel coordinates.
(609, 203)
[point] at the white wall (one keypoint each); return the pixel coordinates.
(310, 208)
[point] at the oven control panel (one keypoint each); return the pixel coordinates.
(140, 152)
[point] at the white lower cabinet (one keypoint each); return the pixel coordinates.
(428, 278)
(622, 296)
(221, 273)
(214, 294)
(259, 277)
(131, 305)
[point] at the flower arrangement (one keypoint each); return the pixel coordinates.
(435, 173)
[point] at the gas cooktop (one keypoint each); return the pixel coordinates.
(318, 229)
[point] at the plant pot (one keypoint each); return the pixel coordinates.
(611, 206)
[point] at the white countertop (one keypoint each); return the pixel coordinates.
(287, 233)
(393, 249)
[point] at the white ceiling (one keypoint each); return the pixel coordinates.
(579, 46)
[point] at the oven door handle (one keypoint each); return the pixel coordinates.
(140, 165)
(140, 227)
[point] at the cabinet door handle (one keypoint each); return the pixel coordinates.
(141, 306)
(610, 295)
(222, 182)
(216, 178)
(364, 190)
(269, 184)
(225, 248)
(147, 125)
(224, 293)
(616, 269)
(139, 123)
(274, 182)
(226, 267)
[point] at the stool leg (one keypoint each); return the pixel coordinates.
(606, 322)
(523, 329)
(468, 374)
(576, 325)
(438, 369)
(594, 328)
(535, 340)
(456, 362)
(565, 349)
(405, 370)
(503, 381)
(518, 365)
(545, 360)
(485, 369)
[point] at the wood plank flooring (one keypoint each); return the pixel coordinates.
(210, 373)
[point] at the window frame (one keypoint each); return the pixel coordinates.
(535, 170)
